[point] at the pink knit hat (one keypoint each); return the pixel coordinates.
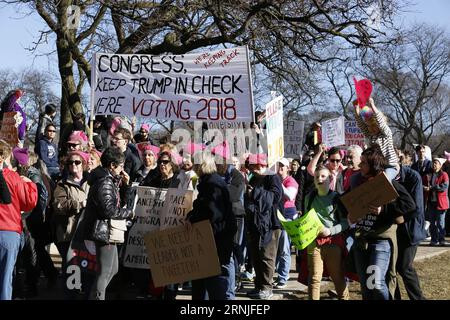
(84, 156)
(21, 155)
(146, 127)
(78, 136)
(447, 155)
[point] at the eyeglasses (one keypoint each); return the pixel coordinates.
(72, 145)
(165, 162)
(335, 160)
(76, 162)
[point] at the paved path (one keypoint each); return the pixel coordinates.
(292, 289)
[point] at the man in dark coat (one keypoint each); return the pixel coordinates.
(262, 200)
(410, 234)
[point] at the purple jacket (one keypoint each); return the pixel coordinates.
(12, 106)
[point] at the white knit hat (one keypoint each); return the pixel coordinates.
(440, 160)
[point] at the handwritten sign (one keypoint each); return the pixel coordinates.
(212, 86)
(377, 192)
(274, 129)
(176, 206)
(353, 135)
(303, 230)
(177, 255)
(148, 218)
(293, 138)
(333, 132)
(8, 131)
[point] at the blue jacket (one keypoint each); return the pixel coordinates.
(414, 224)
(426, 168)
(48, 152)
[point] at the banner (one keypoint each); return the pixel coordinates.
(303, 230)
(293, 138)
(149, 206)
(177, 205)
(8, 131)
(353, 135)
(333, 132)
(210, 86)
(274, 130)
(177, 254)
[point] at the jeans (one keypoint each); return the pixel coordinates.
(437, 225)
(219, 287)
(9, 248)
(372, 265)
(283, 261)
(239, 248)
(108, 260)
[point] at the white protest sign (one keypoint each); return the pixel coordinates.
(353, 135)
(293, 138)
(211, 86)
(148, 218)
(274, 130)
(333, 132)
(177, 205)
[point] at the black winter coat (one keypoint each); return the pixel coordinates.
(213, 204)
(103, 202)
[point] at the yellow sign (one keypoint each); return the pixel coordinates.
(304, 230)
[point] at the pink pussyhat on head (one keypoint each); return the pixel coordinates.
(447, 155)
(78, 136)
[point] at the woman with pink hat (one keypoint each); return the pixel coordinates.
(149, 155)
(69, 201)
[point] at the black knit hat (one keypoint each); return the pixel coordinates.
(50, 108)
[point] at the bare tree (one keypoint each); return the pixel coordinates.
(37, 93)
(286, 37)
(412, 79)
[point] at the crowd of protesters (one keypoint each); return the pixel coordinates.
(46, 193)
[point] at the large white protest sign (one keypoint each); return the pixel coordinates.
(212, 86)
(293, 138)
(274, 130)
(148, 218)
(333, 132)
(353, 135)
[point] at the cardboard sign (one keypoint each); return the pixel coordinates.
(353, 135)
(177, 255)
(293, 138)
(363, 90)
(211, 86)
(148, 210)
(274, 130)
(377, 192)
(8, 131)
(303, 230)
(333, 132)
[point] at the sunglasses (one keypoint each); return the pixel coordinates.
(335, 160)
(76, 162)
(163, 162)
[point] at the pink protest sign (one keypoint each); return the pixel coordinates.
(363, 91)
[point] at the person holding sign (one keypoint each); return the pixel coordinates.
(375, 246)
(329, 247)
(103, 206)
(213, 204)
(375, 128)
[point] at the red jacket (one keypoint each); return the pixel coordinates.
(23, 198)
(440, 187)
